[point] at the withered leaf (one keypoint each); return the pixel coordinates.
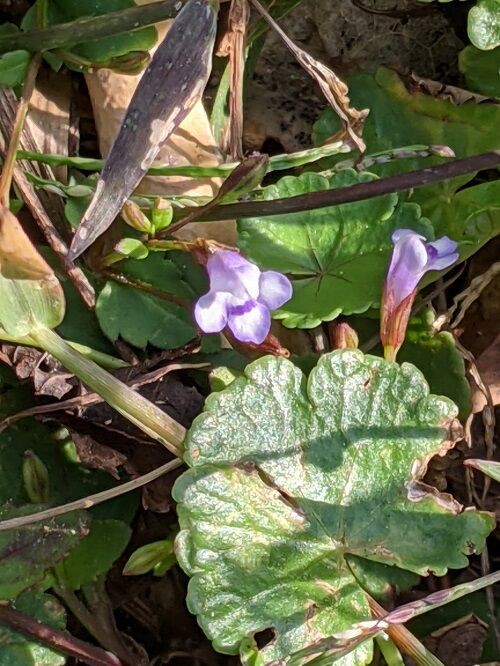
(172, 84)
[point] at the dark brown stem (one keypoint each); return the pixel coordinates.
(57, 640)
(17, 129)
(358, 192)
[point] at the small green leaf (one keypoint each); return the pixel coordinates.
(153, 556)
(132, 247)
(481, 70)
(13, 68)
(36, 478)
(142, 318)
(16, 649)
(28, 553)
(162, 214)
(292, 477)
(337, 257)
(95, 554)
(484, 24)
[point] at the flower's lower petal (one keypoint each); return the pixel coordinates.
(250, 322)
(274, 289)
(210, 312)
(230, 272)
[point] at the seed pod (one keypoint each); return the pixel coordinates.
(147, 557)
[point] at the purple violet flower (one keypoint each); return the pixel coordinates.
(412, 257)
(241, 297)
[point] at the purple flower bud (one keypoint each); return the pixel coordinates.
(241, 297)
(412, 257)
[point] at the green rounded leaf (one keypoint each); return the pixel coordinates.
(292, 476)
(95, 554)
(337, 257)
(13, 68)
(142, 318)
(484, 24)
(481, 70)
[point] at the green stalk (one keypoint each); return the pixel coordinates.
(389, 651)
(102, 359)
(89, 28)
(276, 162)
(130, 404)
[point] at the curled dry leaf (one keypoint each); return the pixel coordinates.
(333, 88)
(30, 293)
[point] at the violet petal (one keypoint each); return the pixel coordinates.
(408, 265)
(210, 311)
(274, 289)
(230, 272)
(250, 322)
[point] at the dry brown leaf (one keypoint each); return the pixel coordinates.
(49, 116)
(191, 143)
(488, 365)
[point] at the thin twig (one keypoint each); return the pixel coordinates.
(57, 640)
(358, 192)
(46, 210)
(17, 129)
(94, 398)
(91, 500)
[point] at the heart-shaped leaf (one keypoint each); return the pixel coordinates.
(292, 477)
(337, 257)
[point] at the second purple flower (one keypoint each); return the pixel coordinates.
(241, 297)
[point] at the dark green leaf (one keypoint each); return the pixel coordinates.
(141, 318)
(28, 553)
(436, 356)
(18, 650)
(481, 70)
(95, 554)
(291, 476)
(337, 257)
(13, 68)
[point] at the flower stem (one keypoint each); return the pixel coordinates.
(132, 405)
